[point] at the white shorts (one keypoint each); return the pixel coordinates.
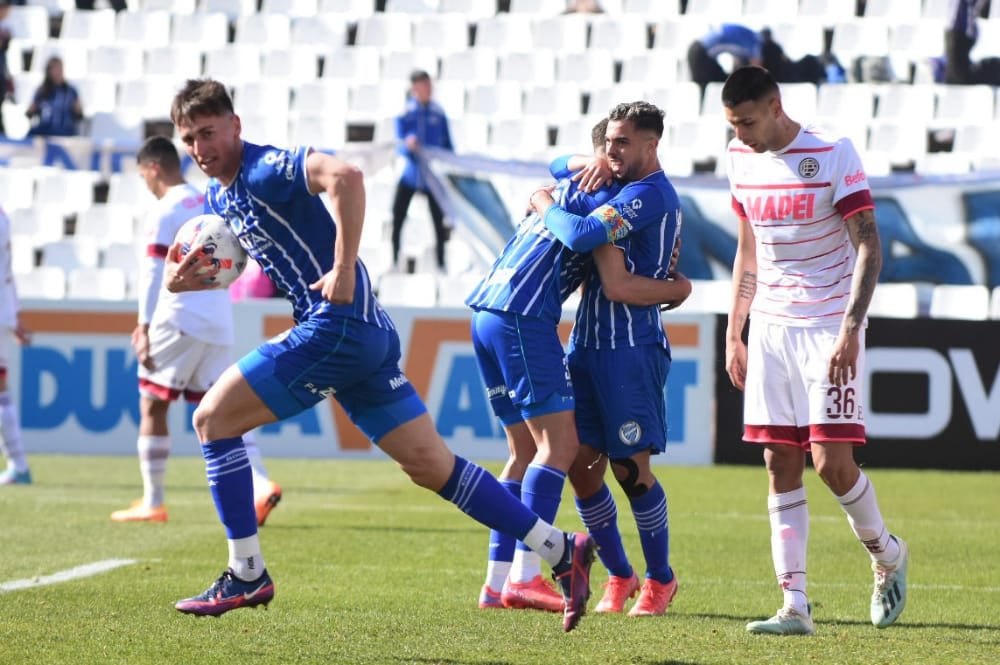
(184, 364)
(789, 397)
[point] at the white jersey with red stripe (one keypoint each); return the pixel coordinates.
(204, 315)
(796, 200)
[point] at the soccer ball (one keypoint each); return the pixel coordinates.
(218, 240)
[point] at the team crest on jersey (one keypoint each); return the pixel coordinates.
(629, 433)
(808, 167)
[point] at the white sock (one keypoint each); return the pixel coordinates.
(260, 479)
(10, 431)
(496, 574)
(545, 540)
(526, 566)
(865, 519)
(245, 558)
(153, 454)
(789, 516)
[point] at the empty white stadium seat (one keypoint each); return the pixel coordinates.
(445, 33)
(291, 65)
(177, 61)
(201, 30)
(995, 303)
(148, 28)
(17, 189)
(123, 255)
(407, 290)
(122, 129)
(92, 26)
(504, 32)
(476, 66)
(472, 9)
(29, 24)
(590, 68)
(680, 101)
(553, 104)
(121, 61)
(624, 35)
(896, 300)
(829, 11)
(398, 65)
(836, 102)
(498, 100)
(292, 8)
(383, 31)
(766, 11)
(652, 9)
(149, 97)
(74, 56)
(715, 9)
(905, 102)
(412, 6)
(454, 289)
(69, 253)
(657, 67)
(42, 282)
(319, 33)
(714, 296)
(537, 7)
(42, 223)
(106, 223)
(351, 63)
(233, 9)
(352, 10)
(96, 284)
(267, 31)
(233, 63)
(267, 97)
(954, 301)
(71, 191)
(963, 104)
(561, 34)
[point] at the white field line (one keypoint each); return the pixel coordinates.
(86, 570)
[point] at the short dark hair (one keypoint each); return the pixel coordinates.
(598, 132)
(159, 150)
(200, 97)
(748, 84)
(419, 75)
(642, 114)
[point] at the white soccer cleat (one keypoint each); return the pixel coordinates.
(889, 596)
(787, 621)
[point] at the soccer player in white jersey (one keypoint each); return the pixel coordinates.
(17, 471)
(343, 345)
(182, 341)
(807, 262)
(619, 360)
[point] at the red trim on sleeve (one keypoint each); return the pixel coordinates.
(158, 251)
(854, 203)
(738, 208)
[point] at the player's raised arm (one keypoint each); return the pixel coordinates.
(344, 184)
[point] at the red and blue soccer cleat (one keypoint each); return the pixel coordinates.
(229, 593)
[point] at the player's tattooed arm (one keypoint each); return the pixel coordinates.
(863, 230)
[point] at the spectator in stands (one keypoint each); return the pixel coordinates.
(807, 69)
(959, 38)
(56, 104)
(6, 81)
(423, 123)
(745, 45)
(17, 471)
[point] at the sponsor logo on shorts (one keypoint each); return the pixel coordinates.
(496, 391)
(629, 433)
(328, 391)
(398, 382)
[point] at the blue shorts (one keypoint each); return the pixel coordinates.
(332, 356)
(620, 398)
(523, 365)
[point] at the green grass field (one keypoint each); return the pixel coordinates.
(370, 569)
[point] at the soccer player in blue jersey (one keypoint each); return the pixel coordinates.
(620, 357)
(343, 344)
(515, 335)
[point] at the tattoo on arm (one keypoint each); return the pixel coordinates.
(748, 285)
(864, 233)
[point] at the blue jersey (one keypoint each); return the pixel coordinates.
(429, 124)
(650, 211)
(289, 231)
(535, 273)
(737, 40)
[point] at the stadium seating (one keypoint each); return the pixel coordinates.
(408, 289)
(96, 283)
(955, 301)
(898, 300)
(314, 71)
(43, 282)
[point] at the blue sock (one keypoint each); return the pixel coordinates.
(650, 512)
(231, 483)
(541, 492)
(600, 515)
(502, 545)
(481, 496)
